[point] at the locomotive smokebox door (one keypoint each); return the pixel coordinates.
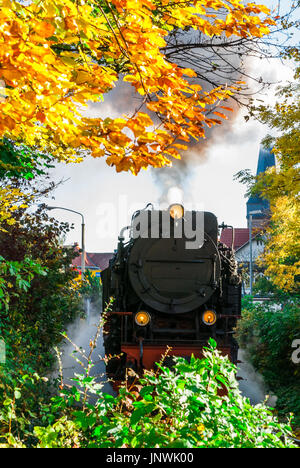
(170, 277)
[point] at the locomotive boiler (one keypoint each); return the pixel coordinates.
(174, 284)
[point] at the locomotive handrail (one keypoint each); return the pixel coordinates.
(230, 316)
(174, 261)
(121, 235)
(119, 313)
(173, 330)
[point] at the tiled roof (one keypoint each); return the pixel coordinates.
(94, 260)
(241, 236)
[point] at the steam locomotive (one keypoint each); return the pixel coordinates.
(174, 284)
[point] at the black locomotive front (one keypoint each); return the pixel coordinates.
(170, 289)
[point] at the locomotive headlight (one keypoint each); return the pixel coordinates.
(176, 211)
(142, 318)
(209, 317)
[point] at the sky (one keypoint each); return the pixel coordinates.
(107, 199)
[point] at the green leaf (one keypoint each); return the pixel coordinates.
(17, 394)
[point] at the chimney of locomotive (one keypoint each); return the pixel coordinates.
(175, 196)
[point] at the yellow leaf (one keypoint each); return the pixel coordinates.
(130, 78)
(189, 72)
(45, 29)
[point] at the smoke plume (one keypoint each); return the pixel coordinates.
(80, 332)
(181, 171)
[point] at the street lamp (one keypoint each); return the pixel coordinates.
(82, 234)
(251, 213)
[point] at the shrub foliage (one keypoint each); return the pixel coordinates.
(173, 407)
(268, 334)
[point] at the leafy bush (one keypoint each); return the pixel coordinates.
(19, 160)
(180, 406)
(37, 301)
(91, 288)
(34, 318)
(15, 278)
(268, 333)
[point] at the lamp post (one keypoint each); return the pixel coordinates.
(250, 241)
(82, 233)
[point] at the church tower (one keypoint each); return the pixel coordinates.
(266, 159)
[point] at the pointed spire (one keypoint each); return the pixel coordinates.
(266, 159)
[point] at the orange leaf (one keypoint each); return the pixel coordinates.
(220, 115)
(41, 116)
(227, 108)
(45, 29)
